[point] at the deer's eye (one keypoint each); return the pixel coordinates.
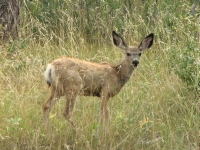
(140, 54)
(128, 54)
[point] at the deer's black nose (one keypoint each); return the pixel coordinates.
(135, 63)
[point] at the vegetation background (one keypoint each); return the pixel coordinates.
(159, 107)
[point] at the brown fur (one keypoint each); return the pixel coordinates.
(71, 77)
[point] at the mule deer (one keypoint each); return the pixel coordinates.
(71, 77)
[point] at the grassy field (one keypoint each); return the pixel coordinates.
(155, 110)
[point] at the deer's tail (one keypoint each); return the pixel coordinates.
(49, 75)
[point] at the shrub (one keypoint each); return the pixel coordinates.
(185, 63)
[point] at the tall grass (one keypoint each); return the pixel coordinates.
(155, 110)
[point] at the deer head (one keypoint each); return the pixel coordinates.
(132, 53)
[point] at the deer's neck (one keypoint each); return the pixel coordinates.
(124, 71)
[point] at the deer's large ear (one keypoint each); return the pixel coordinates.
(146, 42)
(119, 41)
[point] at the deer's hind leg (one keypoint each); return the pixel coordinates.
(69, 108)
(46, 106)
(72, 92)
(70, 103)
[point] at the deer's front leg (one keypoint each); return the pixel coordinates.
(104, 112)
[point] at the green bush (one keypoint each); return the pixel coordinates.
(185, 63)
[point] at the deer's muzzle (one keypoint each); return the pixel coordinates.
(135, 63)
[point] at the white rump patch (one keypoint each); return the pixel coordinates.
(48, 73)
